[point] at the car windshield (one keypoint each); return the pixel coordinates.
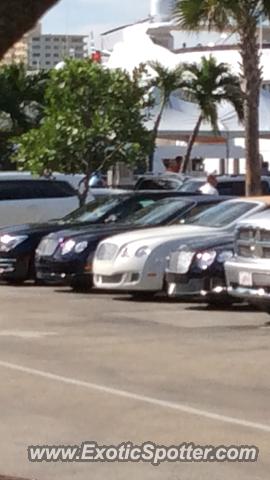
(222, 214)
(159, 184)
(158, 212)
(93, 211)
(192, 186)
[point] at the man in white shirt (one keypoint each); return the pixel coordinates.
(209, 188)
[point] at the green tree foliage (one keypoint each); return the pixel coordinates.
(243, 17)
(22, 103)
(209, 84)
(94, 118)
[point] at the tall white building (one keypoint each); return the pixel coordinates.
(161, 10)
(46, 51)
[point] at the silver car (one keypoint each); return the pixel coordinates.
(248, 272)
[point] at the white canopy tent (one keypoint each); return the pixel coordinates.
(180, 117)
(137, 47)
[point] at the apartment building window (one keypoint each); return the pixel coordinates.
(47, 55)
(36, 55)
(35, 39)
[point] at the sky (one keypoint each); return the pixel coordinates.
(84, 16)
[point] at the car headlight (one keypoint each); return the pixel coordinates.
(184, 261)
(142, 252)
(67, 246)
(206, 259)
(9, 242)
(224, 256)
(81, 246)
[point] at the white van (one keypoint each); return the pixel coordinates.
(27, 200)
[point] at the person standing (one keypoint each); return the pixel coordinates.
(210, 187)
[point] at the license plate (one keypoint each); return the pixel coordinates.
(171, 288)
(245, 279)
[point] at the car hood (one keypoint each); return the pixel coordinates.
(213, 240)
(31, 228)
(92, 232)
(73, 230)
(156, 236)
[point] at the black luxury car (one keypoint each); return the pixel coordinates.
(66, 256)
(197, 269)
(18, 243)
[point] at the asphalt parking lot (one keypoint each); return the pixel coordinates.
(76, 368)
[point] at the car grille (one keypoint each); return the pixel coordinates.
(253, 243)
(111, 279)
(47, 247)
(173, 262)
(106, 251)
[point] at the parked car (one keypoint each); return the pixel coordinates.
(18, 243)
(34, 200)
(68, 255)
(196, 269)
(226, 185)
(248, 272)
(166, 181)
(136, 261)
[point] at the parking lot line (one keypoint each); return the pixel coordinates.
(137, 397)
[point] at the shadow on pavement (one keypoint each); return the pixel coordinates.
(4, 477)
(221, 308)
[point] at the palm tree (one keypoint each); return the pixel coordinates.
(17, 17)
(241, 16)
(209, 84)
(166, 81)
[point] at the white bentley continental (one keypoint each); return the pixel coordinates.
(136, 261)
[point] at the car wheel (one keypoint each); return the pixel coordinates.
(224, 302)
(16, 282)
(263, 306)
(142, 296)
(81, 285)
(40, 283)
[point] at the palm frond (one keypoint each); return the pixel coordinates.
(193, 14)
(211, 114)
(167, 80)
(210, 83)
